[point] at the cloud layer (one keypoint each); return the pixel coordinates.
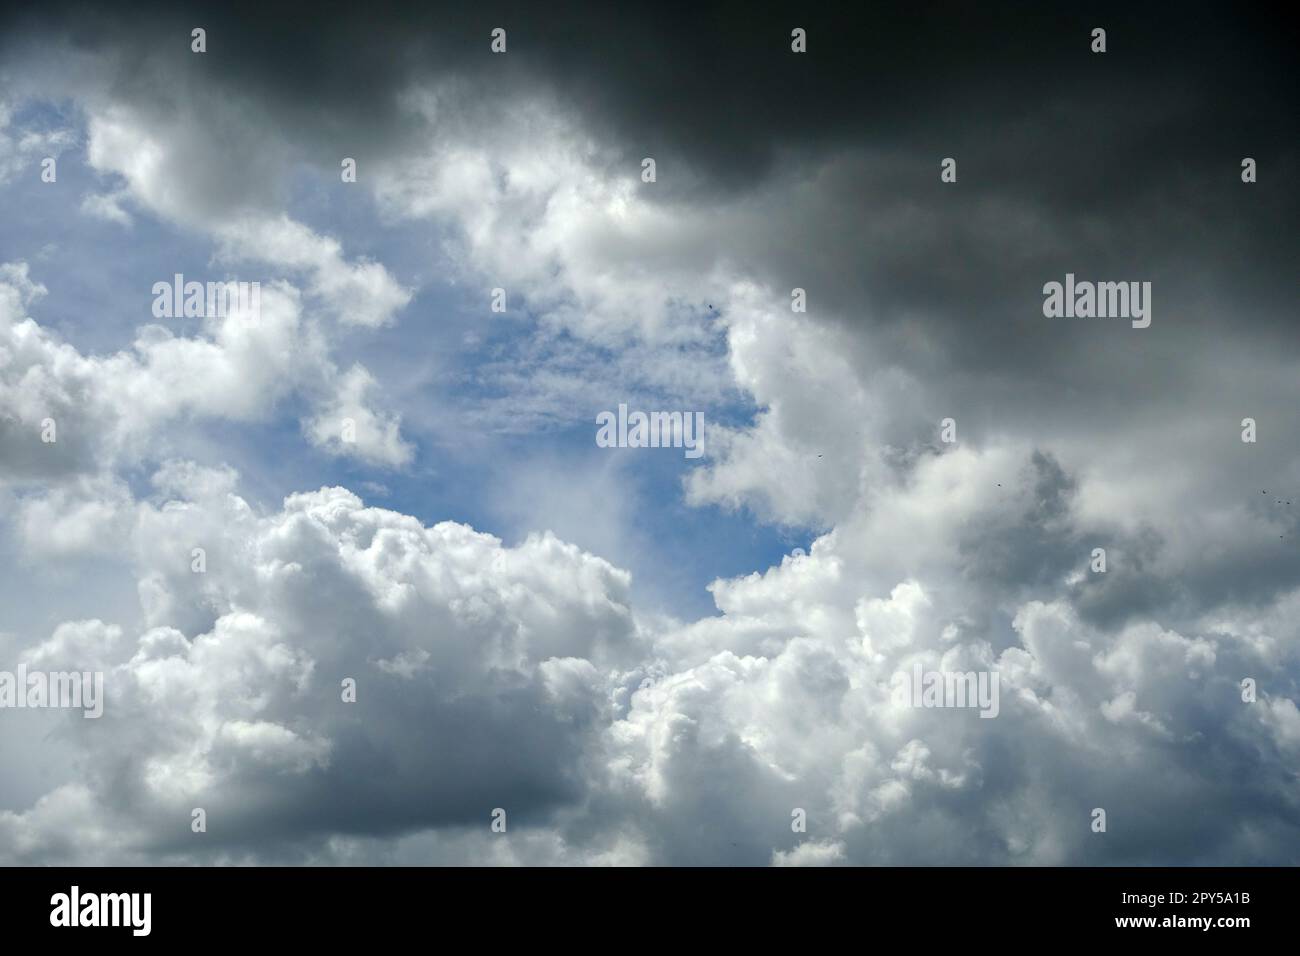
(523, 675)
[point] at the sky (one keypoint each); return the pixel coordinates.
(640, 657)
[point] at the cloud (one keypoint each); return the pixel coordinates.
(22, 150)
(812, 853)
(238, 368)
(505, 692)
(376, 438)
(107, 206)
(537, 688)
(180, 170)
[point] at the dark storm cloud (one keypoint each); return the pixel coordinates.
(720, 88)
(1135, 151)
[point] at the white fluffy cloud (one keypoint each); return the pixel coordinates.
(179, 167)
(522, 678)
(107, 408)
(538, 211)
(375, 437)
(476, 669)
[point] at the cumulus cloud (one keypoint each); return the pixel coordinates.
(102, 408)
(522, 678)
(506, 691)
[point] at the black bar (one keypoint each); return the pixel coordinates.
(329, 906)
